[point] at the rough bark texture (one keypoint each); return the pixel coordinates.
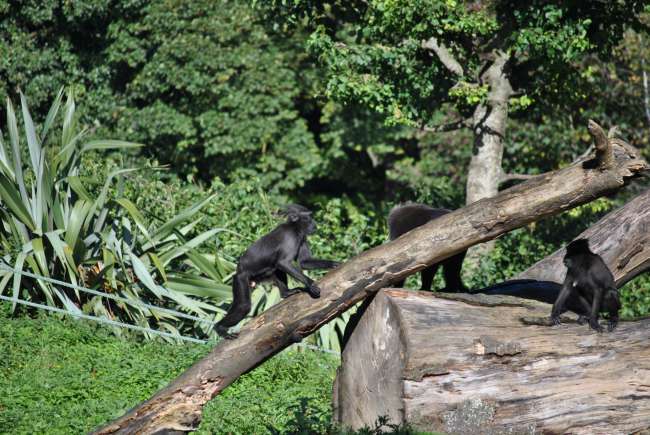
(178, 407)
(467, 364)
(621, 238)
(489, 127)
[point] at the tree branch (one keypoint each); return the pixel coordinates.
(444, 55)
(451, 126)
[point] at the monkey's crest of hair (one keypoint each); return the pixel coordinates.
(294, 209)
(577, 246)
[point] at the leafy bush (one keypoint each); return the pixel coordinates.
(51, 225)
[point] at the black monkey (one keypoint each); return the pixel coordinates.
(590, 284)
(402, 219)
(406, 217)
(271, 258)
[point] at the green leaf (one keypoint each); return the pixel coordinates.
(54, 109)
(15, 151)
(143, 274)
(33, 144)
(135, 214)
(198, 286)
(18, 267)
(109, 144)
(184, 215)
(12, 199)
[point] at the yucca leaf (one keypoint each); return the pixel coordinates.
(4, 281)
(199, 286)
(108, 144)
(203, 265)
(196, 241)
(77, 217)
(68, 123)
(143, 275)
(158, 264)
(5, 164)
(11, 198)
(18, 267)
(12, 125)
(33, 144)
(51, 115)
(135, 214)
(184, 215)
(77, 186)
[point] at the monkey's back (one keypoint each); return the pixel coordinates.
(403, 218)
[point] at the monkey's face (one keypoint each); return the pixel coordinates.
(311, 225)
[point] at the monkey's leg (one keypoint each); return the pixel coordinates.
(280, 279)
(559, 306)
(451, 268)
(427, 275)
(297, 274)
(582, 318)
(240, 307)
(595, 310)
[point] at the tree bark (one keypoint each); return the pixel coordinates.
(489, 127)
(621, 238)
(467, 364)
(178, 407)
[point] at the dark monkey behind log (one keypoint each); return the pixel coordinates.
(407, 217)
(402, 219)
(590, 285)
(271, 258)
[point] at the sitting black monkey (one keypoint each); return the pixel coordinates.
(590, 283)
(404, 218)
(271, 258)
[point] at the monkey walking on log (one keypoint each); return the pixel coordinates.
(402, 219)
(406, 217)
(590, 283)
(271, 258)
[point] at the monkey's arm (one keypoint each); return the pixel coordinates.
(595, 309)
(559, 306)
(308, 262)
(286, 266)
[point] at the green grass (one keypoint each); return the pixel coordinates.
(67, 376)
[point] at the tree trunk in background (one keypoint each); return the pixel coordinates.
(621, 238)
(178, 407)
(466, 364)
(489, 126)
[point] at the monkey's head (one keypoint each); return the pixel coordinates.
(574, 249)
(301, 216)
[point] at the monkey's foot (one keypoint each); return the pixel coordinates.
(582, 320)
(314, 291)
(612, 324)
(223, 332)
(595, 326)
(555, 320)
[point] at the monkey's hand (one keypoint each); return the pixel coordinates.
(555, 319)
(223, 332)
(593, 323)
(314, 291)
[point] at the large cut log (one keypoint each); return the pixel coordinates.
(178, 407)
(466, 364)
(621, 238)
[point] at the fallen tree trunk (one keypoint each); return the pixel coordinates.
(621, 238)
(178, 407)
(466, 364)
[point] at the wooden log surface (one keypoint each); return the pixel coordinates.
(178, 407)
(467, 364)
